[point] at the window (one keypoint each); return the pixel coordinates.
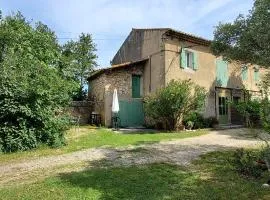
(256, 75)
(244, 73)
(136, 86)
(222, 73)
(189, 59)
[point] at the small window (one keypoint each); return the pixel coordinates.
(136, 86)
(190, 59)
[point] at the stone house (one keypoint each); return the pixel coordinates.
(150, 58)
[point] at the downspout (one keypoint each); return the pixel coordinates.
(150, 74)
(216, 102)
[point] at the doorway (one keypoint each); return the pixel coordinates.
(223, 110)
(236, 118)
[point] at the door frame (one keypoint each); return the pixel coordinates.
(224, 93)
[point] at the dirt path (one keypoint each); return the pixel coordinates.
(180, 152)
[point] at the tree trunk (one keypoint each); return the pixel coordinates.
(179, 123)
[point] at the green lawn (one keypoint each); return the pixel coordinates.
(89, 137)
(209, 178)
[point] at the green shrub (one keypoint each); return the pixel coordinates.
(211, 122)
(190, 125)
(250, 110)
(245, 162)
(169, 105)
(199, 121)
(196, 118)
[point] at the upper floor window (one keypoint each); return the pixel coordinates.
(256, 74)
(189, 59)
(244, 73)
(222, 73)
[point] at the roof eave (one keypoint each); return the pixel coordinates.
(188, 37)
(97, 73)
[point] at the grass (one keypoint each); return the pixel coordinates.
(211, 177)
(90, 137)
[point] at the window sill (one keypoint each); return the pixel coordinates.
(189, 70)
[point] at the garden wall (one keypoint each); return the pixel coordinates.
(81, 110)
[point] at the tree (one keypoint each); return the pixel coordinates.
(82, 59)
(33, 91)
(247, 39)
(170, 104)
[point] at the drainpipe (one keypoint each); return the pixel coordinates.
(216, 102)
(150, 74)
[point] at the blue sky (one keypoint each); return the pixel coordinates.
(110, 21)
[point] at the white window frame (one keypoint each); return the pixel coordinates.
(189, 59)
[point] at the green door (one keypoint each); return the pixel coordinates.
(131, 113)
(223, 110)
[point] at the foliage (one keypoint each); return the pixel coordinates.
(211, 122)
(245, 163)
(265, 106)
(190, 125)
(33, 92)
(170, 104)
(79, 60)
(250, 110)
(199, 121)
(247, 38)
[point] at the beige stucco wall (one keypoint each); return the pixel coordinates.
(104, 85)
(145, 44)
(205, 76)
(162, 66)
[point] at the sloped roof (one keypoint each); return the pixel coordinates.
(98, 72)
(182, 35)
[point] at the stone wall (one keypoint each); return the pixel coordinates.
(101, 89)
(81, 110)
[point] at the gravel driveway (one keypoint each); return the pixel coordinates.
(180, 152)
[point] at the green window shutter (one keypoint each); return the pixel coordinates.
(256, 75)
(183, 61)
(136, 86)
(195, 61)
(222, 73)
(244, 73)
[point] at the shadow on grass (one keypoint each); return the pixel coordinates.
(156, 181)
(210, 178)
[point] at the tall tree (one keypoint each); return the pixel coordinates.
(33, 91)
(82, 59)
(247, 39)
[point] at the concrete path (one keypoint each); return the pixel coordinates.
(180, 152)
